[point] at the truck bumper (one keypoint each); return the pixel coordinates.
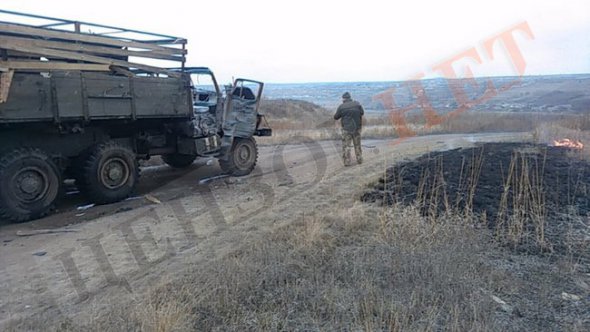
(199, 146)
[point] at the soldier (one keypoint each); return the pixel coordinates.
(350, 113)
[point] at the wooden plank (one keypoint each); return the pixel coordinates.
(52, 65)
(46, 52)
(86, 38)
(89, 38)
(5, 82)
(90, 49)
(122, 71)
(16, 54)
(165, 42)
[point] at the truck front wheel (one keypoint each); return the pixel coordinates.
(110, 173)
(30, 183)
(177, 160)
(242, 157)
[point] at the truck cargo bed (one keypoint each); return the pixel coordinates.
(75, 95)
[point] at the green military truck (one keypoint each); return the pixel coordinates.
(87, 106)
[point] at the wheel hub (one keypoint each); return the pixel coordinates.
(114, 173)
(30, 183)
(244, 154)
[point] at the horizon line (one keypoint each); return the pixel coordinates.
(430, 79)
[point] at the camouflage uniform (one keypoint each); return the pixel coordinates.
(350, 113)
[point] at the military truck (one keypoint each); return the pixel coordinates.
(85, 101)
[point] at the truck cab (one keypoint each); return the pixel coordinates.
(224, 121)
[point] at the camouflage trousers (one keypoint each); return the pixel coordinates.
(349, 139)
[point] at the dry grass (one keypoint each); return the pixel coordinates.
(294, 121)
(523, 212)
(361, 268)
(356, 269)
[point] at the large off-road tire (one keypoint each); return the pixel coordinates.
(109, 173)
(30, 183)
(242, 157)
(179, 160)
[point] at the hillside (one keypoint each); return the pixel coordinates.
(294, 114)
(553, 93)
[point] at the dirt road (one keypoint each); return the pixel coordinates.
(114, 253)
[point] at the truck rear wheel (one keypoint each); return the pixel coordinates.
(30, 183)
(110, 173)
(177, 160)
(242, 157)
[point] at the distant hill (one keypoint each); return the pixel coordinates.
(555, 93)
(292, 108)
(291, 113)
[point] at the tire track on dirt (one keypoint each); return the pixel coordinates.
(196, 233)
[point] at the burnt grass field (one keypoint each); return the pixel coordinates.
(534, 197)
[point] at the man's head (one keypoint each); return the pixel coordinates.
(346, 96)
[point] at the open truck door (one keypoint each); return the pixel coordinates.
(241, 122)
(241, 111)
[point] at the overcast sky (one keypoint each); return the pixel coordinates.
(367, 40)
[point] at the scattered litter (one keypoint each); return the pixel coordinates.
(124, 209)
(80, 214)
(287, 182)
(206, 180)
(73, 192)
(503, 305)
(571, 297)
(44, 231)
(133, 198)
(27, 307)
(40, 253)
(85, 207)
(209, 162)
(153, 199)
(583, 285)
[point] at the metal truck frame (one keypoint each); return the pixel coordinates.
(73, 106)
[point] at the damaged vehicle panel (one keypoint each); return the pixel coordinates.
(74, 106)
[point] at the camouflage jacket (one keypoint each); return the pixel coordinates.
(351, 114)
